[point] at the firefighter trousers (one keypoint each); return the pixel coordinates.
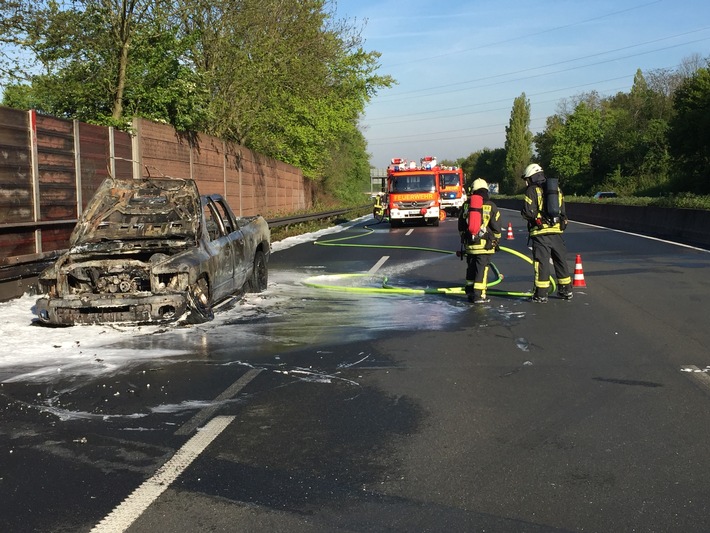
(545, 248)
(477, 273)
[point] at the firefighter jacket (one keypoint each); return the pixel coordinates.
(486, 242)
(539, 223)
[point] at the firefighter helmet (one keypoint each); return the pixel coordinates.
(479, 183)
(531, 170)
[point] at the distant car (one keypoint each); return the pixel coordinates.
(605, 194)
(153, 250)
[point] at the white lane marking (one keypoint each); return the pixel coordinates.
(698, 374)
(121, 518)
(206, 413)
(410, 231)
(693, 368)
(379, 263)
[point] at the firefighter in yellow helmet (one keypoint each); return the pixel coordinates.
(544, 211)
(480, 230)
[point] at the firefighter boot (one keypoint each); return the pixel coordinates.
(540, 296)
(565, 291)
(468, 289)
(478, 298)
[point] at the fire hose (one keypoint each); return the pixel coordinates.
(386, 288)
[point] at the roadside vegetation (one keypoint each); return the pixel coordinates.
(291, 81)
(649, 145)
(286, 79)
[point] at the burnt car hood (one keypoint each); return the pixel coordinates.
(133, 211)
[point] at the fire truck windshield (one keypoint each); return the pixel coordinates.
(449, 179)
(414, 183)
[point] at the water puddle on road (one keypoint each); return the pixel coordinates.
(291, 314)
(288, 315)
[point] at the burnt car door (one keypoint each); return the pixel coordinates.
(221, 252)
(235, 238)
(227, 247)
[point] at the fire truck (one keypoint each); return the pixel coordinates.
(452, 190)
(412, 192)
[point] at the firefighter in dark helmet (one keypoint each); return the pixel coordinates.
(480, 230)
(544, 211)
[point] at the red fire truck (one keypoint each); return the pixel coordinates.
(452, 191)
(412, 192)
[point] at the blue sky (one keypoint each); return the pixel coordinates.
(460, 64)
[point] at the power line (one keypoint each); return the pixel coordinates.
(415, 93)
(529, 35)
(427, 114)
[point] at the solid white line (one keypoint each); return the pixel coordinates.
(635, 235)
(379, 263)
(121, 518)
(644, 236)
(205, 414)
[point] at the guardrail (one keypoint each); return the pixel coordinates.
(298, 219)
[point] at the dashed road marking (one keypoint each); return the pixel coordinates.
(205, 414)
(121, 518)
(379, 263)
(700, 375)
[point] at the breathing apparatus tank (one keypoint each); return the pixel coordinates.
(475, 214)
(552, 198)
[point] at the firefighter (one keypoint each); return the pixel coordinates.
(544, 211)
(480, 230)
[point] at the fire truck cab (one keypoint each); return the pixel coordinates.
(412, 192)
(452, 190)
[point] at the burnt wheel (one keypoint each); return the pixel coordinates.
(260, 273)
(200, 302)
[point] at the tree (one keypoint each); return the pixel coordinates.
(285, 79)
(487, 164)
(688, 135)
(572, 148)
(347, 172)
(544, 143)
(104, 61)
(518, 144)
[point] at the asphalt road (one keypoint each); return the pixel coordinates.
(325, 404)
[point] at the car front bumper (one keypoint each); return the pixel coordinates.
(100, 309)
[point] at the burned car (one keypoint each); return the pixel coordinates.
(153, 250)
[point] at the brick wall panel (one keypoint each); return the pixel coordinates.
(16, 192)
(57, 168)
(16, 242)
(93, 158)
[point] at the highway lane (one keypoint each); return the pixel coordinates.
(355, 411)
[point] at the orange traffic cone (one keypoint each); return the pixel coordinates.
(578, 273)
(510, 231)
